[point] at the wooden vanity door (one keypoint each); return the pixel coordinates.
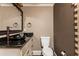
(64, 28)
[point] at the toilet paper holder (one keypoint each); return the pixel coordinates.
(63, 53)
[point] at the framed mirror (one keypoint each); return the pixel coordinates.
(11, 16)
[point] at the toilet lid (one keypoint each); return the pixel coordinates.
(47, 51)
(45, 41)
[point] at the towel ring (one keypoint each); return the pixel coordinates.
(29, 25)
(15, 25)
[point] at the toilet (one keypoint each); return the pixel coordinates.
(46, 50)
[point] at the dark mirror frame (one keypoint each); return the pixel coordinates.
(4, 32)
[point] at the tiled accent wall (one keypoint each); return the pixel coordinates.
(76, 29)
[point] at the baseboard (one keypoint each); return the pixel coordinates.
(36, 52)
(39, 53)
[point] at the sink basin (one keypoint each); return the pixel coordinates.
(28, 34)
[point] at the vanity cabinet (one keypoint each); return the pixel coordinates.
(27, 49)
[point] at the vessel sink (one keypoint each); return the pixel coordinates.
(30, 34)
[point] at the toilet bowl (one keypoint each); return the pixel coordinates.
(46, 50)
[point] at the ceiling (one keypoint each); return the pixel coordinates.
(6, 4)
(27, 4)
(37, 4)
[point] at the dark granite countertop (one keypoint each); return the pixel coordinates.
(15, 46)
(15, 41)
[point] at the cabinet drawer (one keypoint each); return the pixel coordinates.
(29, 44)
(26, 50)
(30, 53)
(26, 53)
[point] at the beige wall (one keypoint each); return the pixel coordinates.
(41, 18)
(8, 16)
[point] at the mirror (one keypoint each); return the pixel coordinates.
(10, 16)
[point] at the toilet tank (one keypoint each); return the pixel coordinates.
(45, 41)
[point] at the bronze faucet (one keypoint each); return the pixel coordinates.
(8, 32)
(8, 36)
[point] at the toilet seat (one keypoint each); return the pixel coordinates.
(47, 51)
